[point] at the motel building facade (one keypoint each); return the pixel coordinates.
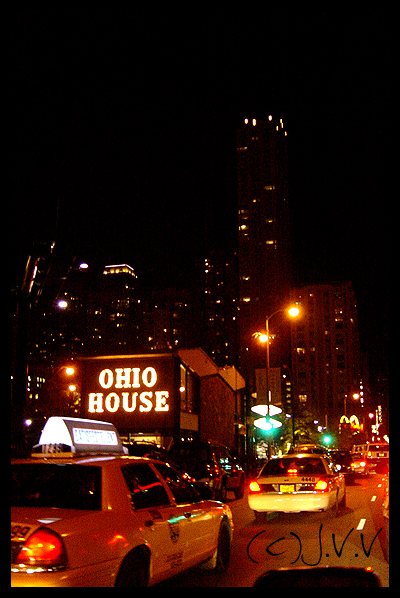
(166, 397)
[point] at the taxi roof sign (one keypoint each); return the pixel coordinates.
(68, 436)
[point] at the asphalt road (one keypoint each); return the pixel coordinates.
(303, 540)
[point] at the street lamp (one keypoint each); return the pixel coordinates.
(264, 337)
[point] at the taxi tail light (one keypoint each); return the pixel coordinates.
(44, 548)
(321, 486)
(254, 486)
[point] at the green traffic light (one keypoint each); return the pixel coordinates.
(327, 439)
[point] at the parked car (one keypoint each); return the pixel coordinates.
(151, 450)
(212, 464)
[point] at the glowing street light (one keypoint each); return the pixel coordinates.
(264, 337)
(267, 424)
(69, 371)
(62, 304)
(266, 410)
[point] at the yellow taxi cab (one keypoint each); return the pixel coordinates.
(295, 483)
(86, 514)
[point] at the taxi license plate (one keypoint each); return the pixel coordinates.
(381, 454)
(286, 487)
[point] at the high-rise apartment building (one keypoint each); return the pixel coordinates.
(264, 235)
(220, 298)
(168, 320)
(326, 373)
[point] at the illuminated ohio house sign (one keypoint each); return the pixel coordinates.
(133, 392)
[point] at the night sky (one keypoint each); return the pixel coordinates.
(128, 123)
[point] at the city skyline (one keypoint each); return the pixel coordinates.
(148, 178)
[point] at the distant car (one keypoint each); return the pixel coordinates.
(377, 457)
(295, 483)
(358, 464)
(212, 464)
(341, 459)
(86, 514)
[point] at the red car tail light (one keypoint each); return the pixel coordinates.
(254, 486)
(321, 486)
(44, 548)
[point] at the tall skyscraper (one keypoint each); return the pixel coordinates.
(264, 235)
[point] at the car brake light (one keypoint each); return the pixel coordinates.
(321, 486)
(43, 548)
(254, 486)
(292, 471)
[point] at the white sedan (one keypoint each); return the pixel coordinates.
(80, 518)
(295, 483)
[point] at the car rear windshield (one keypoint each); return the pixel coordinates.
(300, 466)
(378, 447)
(62, 486)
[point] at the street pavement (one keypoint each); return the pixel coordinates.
(351, 539)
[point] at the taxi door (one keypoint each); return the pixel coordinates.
(197, 527)
(156, 518)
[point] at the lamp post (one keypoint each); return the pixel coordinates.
(263, 337)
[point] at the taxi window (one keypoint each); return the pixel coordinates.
(62, 486)
(304, 466)
(182, 489)
(146, 489)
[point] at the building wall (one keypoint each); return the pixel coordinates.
(217, 410)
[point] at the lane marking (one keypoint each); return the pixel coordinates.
(373, 499)
(360, 526)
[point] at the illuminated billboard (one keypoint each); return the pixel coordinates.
(136, 393)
